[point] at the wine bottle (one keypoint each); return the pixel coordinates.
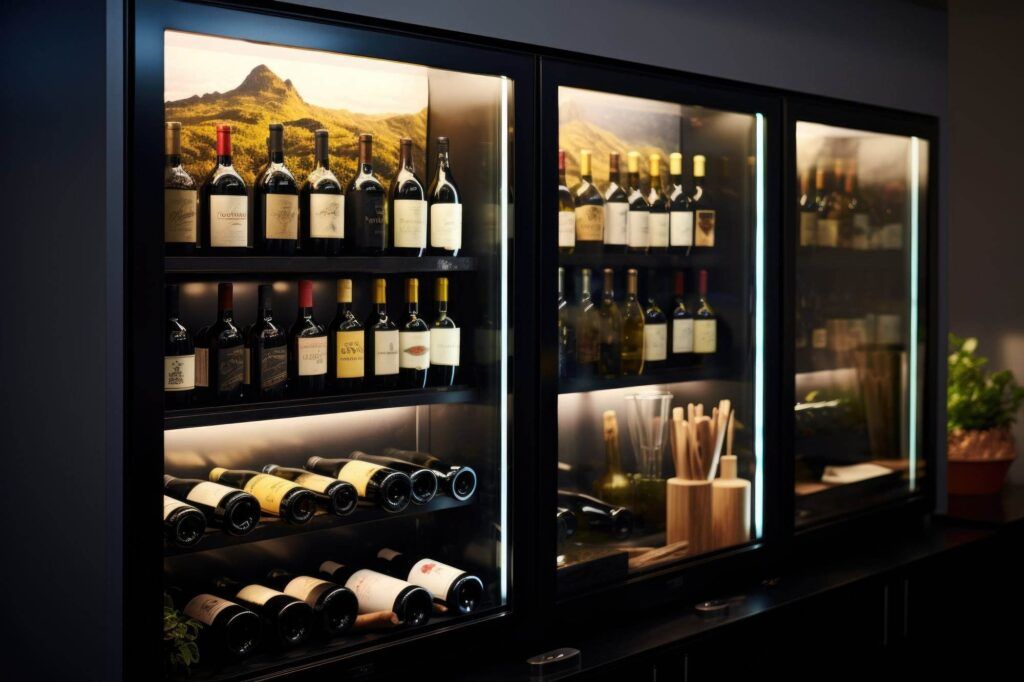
(229, 630)
(829, 209)
(613, 485)
(566, 332)
(445, 206)
(287, 621)
(616, 206)
(705, 324)
(266, 351)
(857, 209)
(183, 524)
(379, 592)
(413, 341)
(809, 208)
(638, 216)
(276, 201)
(682, 327)
(598, 515)
(609, 361)
(456, 481)
(453, 587)
(388, 489)
(277, 496)
(566, 211)
(225, 204)
(179, 356)
(365, 205)
(589, 208)
(381, 342)
(307, 353)
(407, 206)
(445, 340)
(588, 329)
(334, 606)
(423, 481)
(180, 197)
(703, 206)
(220, 353)
(337, 497)
(655, 331)
(346, 344)
(658, 220)
(632, 343)
(323, 204)
(234, 511)
(566, 522)
(680, 207)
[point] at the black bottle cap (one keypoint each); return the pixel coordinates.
(320, 144)
(265, 297)
(276, 137)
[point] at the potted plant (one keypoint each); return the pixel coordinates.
(980, 409)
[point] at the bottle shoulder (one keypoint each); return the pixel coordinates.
(225, 180)
(322, 180)
(366, 183)
(307, 327)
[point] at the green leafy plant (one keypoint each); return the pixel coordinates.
(976, 399)
(180, 633)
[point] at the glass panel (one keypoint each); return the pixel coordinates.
(859, 332)
(659, 425)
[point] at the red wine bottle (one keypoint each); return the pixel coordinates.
(365, 205)
(277, 496)
(287, 621)
(235, 511)
(335, 606)
(181, 233)
(376, 484)
(179, 356)
(307, 357)
(224, 216)
(379, 592)
(266, 352)
(338, 497)
(445, 206)
(407, 207)
(456, 481)
(276, 201)
(183, 524)
(424, 481)
(453, 587)
(413, 341)
(230, 630)
(220, 353)
(323, 205)
(346, 344)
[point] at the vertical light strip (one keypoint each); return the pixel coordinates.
(915, 179)
(503, 397)
(759, 284)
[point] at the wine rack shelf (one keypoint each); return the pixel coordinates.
(270, 528)
(668, 376)
(258, 266)
(299, 407)
(696, 258)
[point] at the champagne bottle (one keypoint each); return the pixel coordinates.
(230, 630)
(456, 481)
(183, 524)
(598, 515)
(234, 511)
(632, 329)
(453, 587)
(424, 482)
(609, 362)
(277, 496)
(337, 497)
(287, 621)
(379, 592)
(613, 485)
(376, 484)
(334, 606)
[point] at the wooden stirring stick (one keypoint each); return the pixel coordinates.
(730, 433)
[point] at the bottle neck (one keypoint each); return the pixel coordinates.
(613, 458)
(277, 157)
(634, 179)
(561, 176)
(173, 160)
(324, 163)
(224, 160)
(443, 162)
(442, 306)
(266, 313)
(305, 312)
(406, 160)
(414, 308)
(344, 307)
(676, 179)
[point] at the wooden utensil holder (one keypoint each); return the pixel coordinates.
(730, 506)
(688, 514)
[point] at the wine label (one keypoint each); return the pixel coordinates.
(705, 336)
(861, 230)
(682, 336)
(704, 219)
(375, 591)
(415, 347)
(369, 220)
(179, 372)
(808, 228)
(303, 586)
(230, 368)
(171, 505)
(444, 346)
(819, 338)
(330, 567)
(658, 224)
(358, 474)
(327, 216)
(312, 356)
(637, 229)
(208, 493)
(269, 490)
(655, 342)
(387, 554)
(229, 220)
(202, 364)
(180, 216)
(615, 223)
(205, 607)
(889, 329)
(350, 357)
(273, 367)
(281, 216)
(385, 352)
(828, 232)
(433, 576)
(315, 482)
(566, 229)
(590, 223)
(257, 594)
(681, 228)
(446, 226)
(410, 223)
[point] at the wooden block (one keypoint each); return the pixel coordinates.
(688, 514)
(730, 506)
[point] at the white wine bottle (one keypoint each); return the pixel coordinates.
(376, 484)
(277, 496)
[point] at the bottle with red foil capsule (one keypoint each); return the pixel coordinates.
(225, 204)
(413, 341)
(307, 348)
(458, 590)
(705, 324)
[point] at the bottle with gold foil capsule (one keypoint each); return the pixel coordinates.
(703, 205)
(180, 198)
(277, 496)
(680, 226)
(658, 220)
(381, 342)
(616, 206)
(566, 211)
(413, 341)
(705, 323)
(638, 216)
(346, 345)
(614, 487)
(632, 329)
(609, 347)
(445, 341)
(589, 208)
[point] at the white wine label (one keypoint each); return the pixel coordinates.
(171, 505)
(446, 226)
(257, 594)
(180, 216)
(433, 576)
(410, 223)
(828, 232)
(350, 358)
(358, 474)
(658, 229)
(281, 214)
(179, 372)
(314, 481)
(615, 223)
(375, 591)
(655, 342)
(590, 223)
(269, 490)
(808, 228)
(312, 356)
(202, 365)
(302, 586)
(388, 554)
(327, 216)
(819, 338)
(705, 336)
(682, 336)
(208, 493)
(444, 346)
(681, 228)
(205, 607)
(385, 352)
(566, 229)
(229, 220)
(889, 329)
(704, 220)
(637, 230)
(415, 347)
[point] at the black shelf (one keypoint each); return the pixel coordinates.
(272, 527)
(667, 376)
(299, 407)
(697, 258)
(301, 265)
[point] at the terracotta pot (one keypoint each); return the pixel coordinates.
(978, 461)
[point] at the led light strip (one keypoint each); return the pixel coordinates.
(915, 179)
(503, 351)
(759, 280)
